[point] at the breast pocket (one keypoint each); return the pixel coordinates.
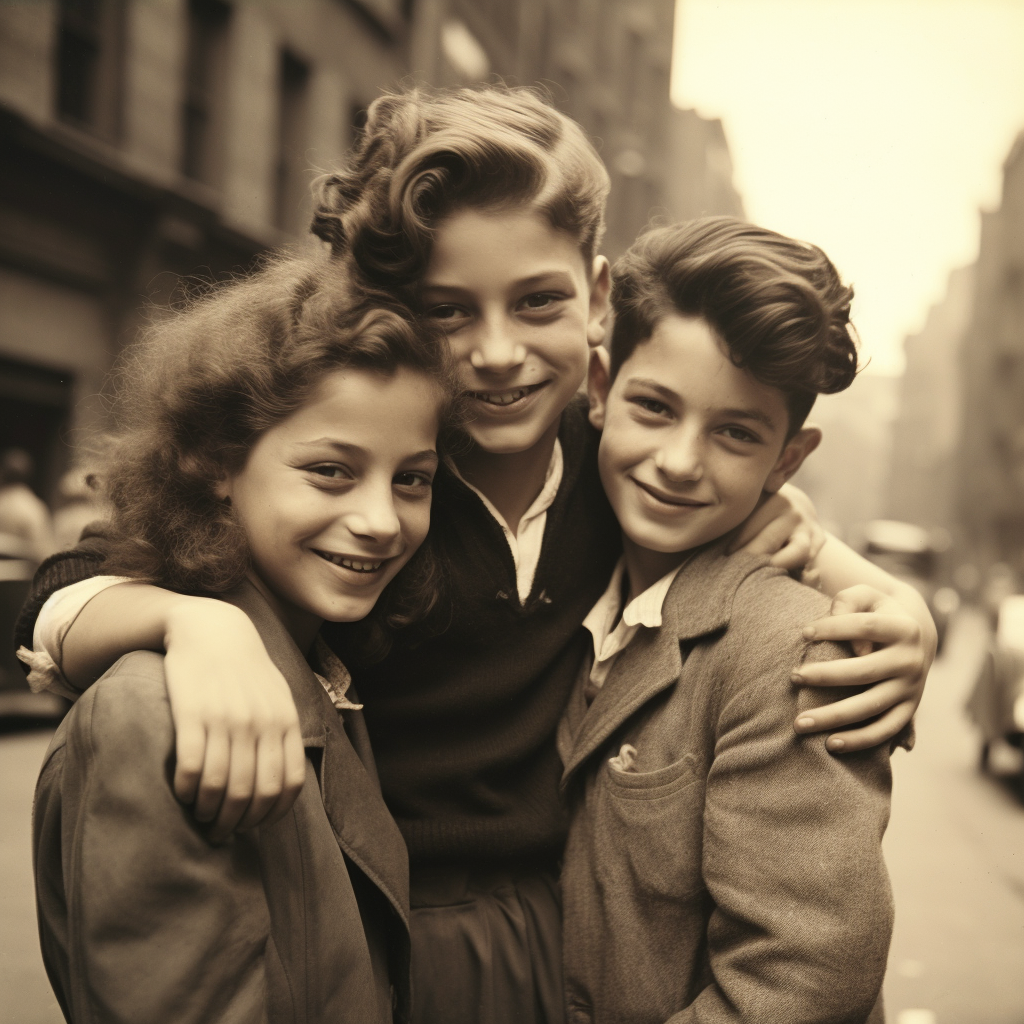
(655, 823)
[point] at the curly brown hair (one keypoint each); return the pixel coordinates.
(777, 303)
(425, 153)
(208, 379)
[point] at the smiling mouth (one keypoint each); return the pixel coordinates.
(510, 397)
(670, 499)
(355, 564)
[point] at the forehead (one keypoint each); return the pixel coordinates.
(499, 244)
(397, 413)
(687, 356)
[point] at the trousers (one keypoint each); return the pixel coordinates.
(486, 945)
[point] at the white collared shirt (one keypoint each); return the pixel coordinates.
(611, 632)
(526, 543)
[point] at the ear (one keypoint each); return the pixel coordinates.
(797, 448)
(600, 301)
(599, 382)
(222, 488)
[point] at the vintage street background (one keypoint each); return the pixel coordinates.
(149, 143)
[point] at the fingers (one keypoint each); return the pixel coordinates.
(863, 598)
(882, 730)
(294, 776)
(240, 787)
(766, 530)
(267, 785)
(214, 777)
(854, 710)
(878, 667)
(796, 552)
(878, 627)
(190, 751)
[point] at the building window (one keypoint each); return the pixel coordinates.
(89, 64)
(291, 181)
(203, 106)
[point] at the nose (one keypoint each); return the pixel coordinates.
(372, 515)
(680, 458)
(494, 346)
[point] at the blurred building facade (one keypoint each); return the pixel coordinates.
(144, 140)
(607, 63)
(148, 140)
(990, 469)
(922, 485)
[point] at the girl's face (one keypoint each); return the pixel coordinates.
(335, 499)
(521, 310)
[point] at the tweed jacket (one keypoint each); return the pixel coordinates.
(142, 920)
(719, 866)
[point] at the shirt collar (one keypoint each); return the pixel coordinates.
(644, 610)
(543, 501)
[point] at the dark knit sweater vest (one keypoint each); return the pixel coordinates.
(462, 722)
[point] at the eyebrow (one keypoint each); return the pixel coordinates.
(523, 282)
(755, 415)
(428, 454)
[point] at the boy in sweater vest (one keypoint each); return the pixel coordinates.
(719, 866)
(484, 208)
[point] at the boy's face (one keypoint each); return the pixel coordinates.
(690, 441)
(521, 311)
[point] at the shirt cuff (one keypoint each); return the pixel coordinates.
(55, 618)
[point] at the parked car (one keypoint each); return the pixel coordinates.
(997, 702)
(914, 555)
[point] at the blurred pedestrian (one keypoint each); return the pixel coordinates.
(26, 529)
(79, 503)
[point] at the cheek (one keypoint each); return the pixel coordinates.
(415, 524)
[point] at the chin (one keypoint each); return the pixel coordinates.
(508, 441)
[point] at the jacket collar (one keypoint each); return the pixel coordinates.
(698, 603)
(362, 824)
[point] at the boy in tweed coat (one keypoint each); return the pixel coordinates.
(719, 866)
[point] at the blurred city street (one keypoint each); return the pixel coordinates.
(25, 995)
(955, 850)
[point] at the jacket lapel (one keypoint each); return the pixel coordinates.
(698, 603)
(362, 825)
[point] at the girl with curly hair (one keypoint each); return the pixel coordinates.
(277, 447)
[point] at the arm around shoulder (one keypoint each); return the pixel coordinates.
(158, 924)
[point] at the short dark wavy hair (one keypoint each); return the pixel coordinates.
(425, 153)
(778, 304)
(207, 380)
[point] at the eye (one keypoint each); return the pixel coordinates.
(415, 480)
(330, 471)
(540, 302)
(651, 405)
(448, 313)
(735, 433)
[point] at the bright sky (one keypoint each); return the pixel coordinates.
(874, 128)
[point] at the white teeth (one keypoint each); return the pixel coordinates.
(356, 565)
(502, 397)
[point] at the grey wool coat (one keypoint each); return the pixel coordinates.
(731, 870)
(143, 921)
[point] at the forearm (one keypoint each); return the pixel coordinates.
(839, 567)
(132, 617)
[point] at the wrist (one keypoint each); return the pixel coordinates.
(190, 617)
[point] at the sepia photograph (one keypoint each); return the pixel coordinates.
(512, 511)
